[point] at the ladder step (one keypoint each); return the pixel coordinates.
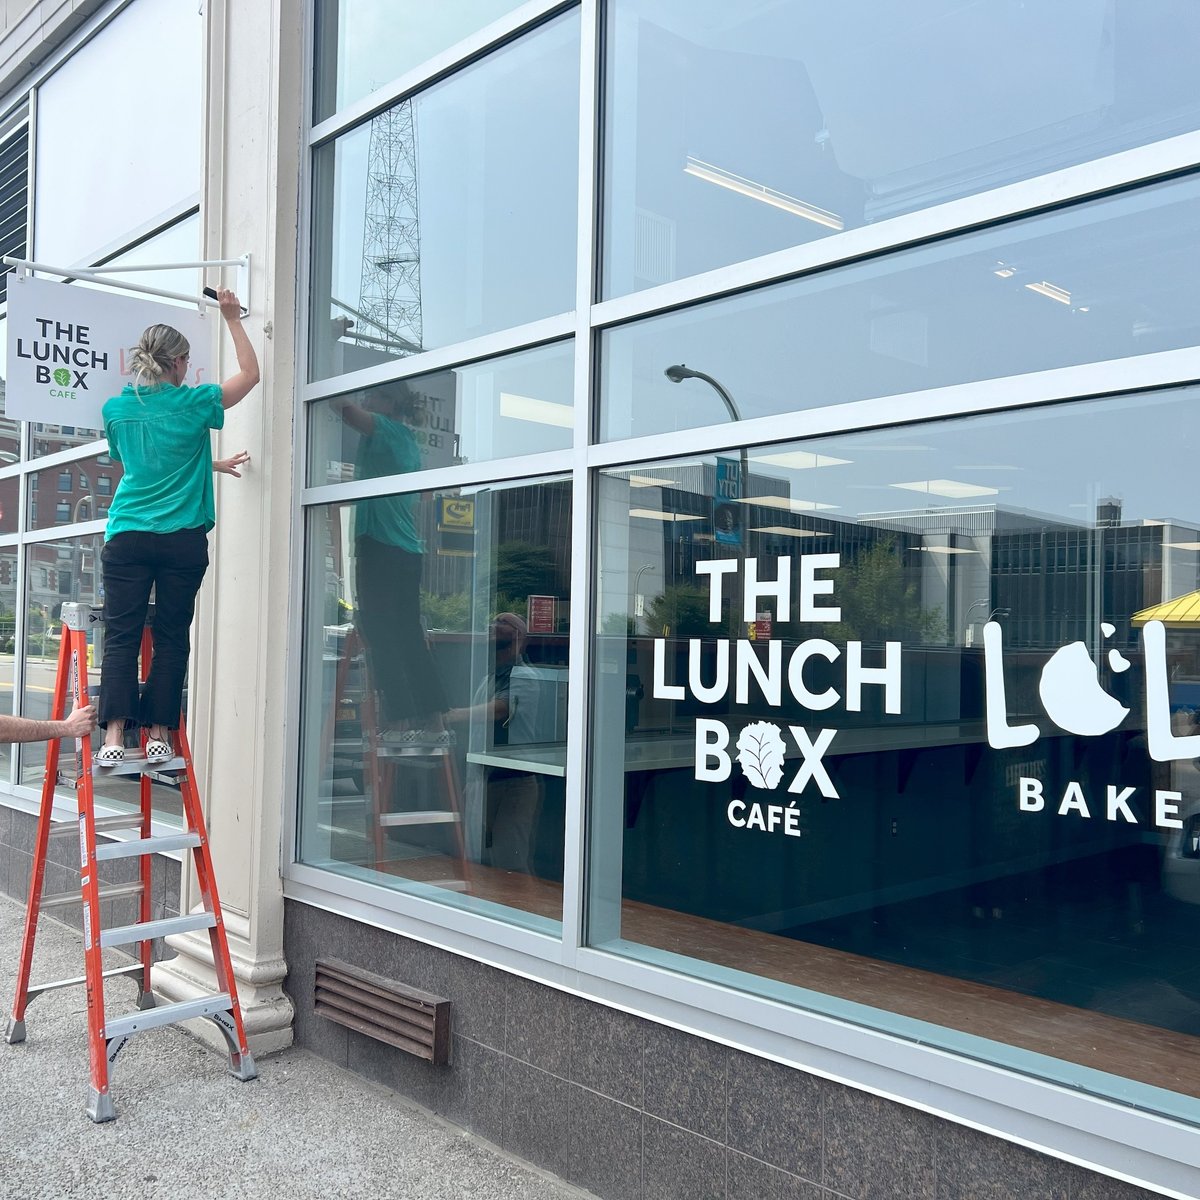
(166, 1014)
(37, 988)
(103, 824)
(154, 845)
(418, 818)
(137, 766)
(112, 892)
(121, 935)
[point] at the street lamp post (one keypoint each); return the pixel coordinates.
(677, 374)
(637, 580)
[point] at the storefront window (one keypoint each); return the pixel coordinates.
(435, 691)
(908, 719)
(76, 490)
(1093, 282)
(734, 131)
(58, 572)
(520, 404)
(363, 44)
(451, 214)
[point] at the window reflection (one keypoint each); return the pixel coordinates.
(452, 213)
(79, 491)
(435, 701)
(1091, 282)
(926, 713)
(520, 404)
(736, 131)
(363, 44)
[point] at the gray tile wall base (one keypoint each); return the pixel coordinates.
(632, 1110)
(17, 833)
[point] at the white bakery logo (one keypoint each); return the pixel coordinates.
(1069, 689)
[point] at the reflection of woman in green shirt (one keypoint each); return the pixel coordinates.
(390, 556)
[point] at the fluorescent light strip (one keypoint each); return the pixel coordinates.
(1051, 290)
(950, 488)
(654, 514)
(799, 460)
(786, 532)
(759, 191)
(785, 502)
(541, 412)
(641, 481)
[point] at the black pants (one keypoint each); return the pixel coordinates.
(389, 619)
(173, 564)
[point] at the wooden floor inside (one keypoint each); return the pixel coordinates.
(1143, 1053)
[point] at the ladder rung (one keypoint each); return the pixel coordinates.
(103, 824)
(166, 1014)
(112, 892)
(417, 818)
(154, 845)
(122, 935)
(80, 980)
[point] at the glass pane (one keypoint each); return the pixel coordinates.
(915, 710)
(73, 491)
(8, 617)
(435, 694)
(453, 213)
(363, 44)
(520, 404)
(84, 110)
(70, 570)
(10, 431)
(737, 130)
(1088, 283)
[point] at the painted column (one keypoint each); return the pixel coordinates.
(238, 713)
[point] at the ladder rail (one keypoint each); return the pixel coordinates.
(105, 1037)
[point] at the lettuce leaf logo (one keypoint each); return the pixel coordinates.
(62, 377)
(760, 754)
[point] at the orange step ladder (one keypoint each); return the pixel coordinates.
(107, 1035)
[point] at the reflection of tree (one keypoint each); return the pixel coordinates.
(681, 608)
(522, 570)
(878, 602)
(452, 612)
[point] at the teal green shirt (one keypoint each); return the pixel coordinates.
(160, 435)
(390, 449)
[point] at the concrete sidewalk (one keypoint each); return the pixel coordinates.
(186, 1127)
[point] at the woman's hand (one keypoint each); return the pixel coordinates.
(228, 466)
(231, 306)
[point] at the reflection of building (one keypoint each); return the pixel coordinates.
(772, 192)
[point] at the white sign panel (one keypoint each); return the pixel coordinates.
(69, 346)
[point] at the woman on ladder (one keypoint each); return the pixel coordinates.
(158, 523)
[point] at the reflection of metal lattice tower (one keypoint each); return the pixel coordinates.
(390, 299)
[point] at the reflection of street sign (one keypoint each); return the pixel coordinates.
(759, 630)
(727, 491)
(456, 512)
(456, 526)
(541, 610)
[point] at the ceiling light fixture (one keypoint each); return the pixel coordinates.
(952, 489)
(784, 502)
(654, 514)
(541, 412)
(760, 191)
(799, 460)
(1053, 291)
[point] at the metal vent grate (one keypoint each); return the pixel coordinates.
(14, 200)
(411, 1020)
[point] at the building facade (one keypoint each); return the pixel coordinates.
(712, 599)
